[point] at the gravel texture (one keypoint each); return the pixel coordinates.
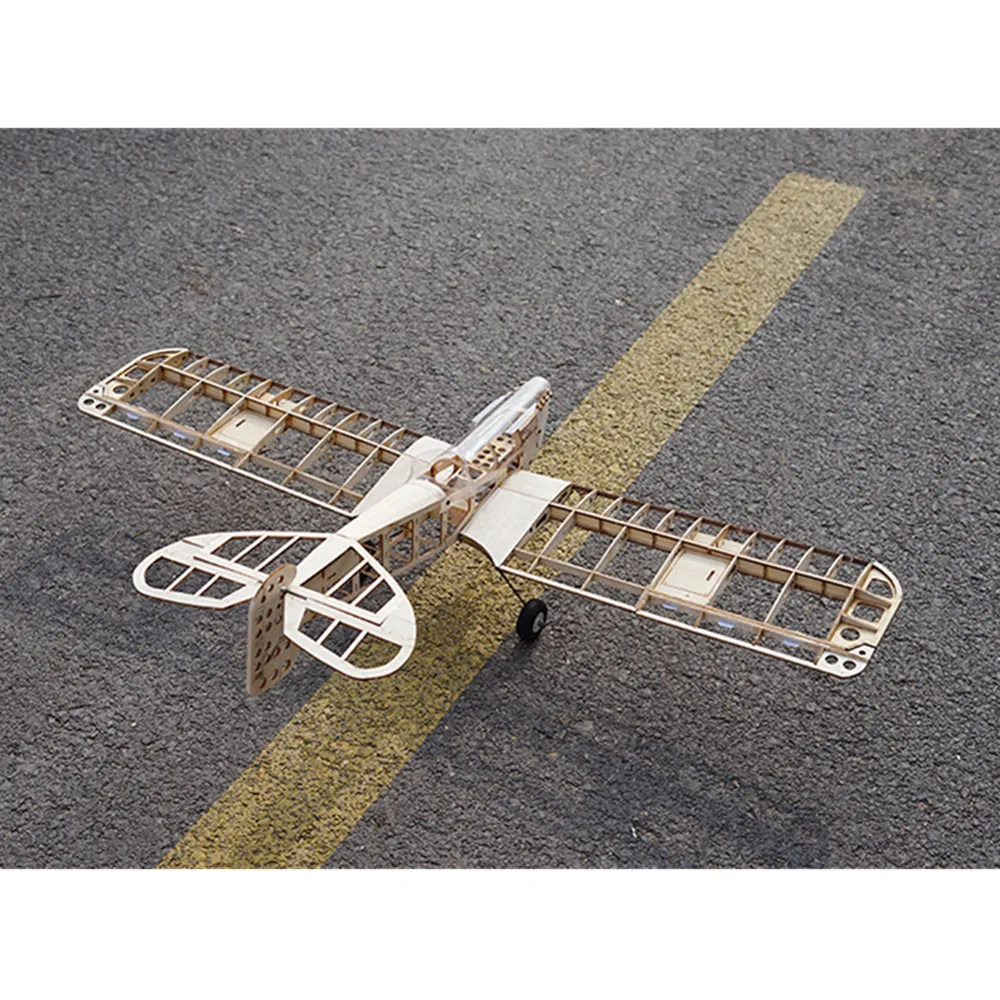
(418, 275)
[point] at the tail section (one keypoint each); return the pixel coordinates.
(321, 593)
(351, 614)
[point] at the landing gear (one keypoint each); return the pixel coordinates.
(531, 620)
(533, 616)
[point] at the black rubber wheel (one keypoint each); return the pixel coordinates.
(531, 620)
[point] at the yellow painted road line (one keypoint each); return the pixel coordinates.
(305, 791)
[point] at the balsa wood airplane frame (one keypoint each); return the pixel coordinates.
(408, 496)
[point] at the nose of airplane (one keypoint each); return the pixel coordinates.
(538, 386)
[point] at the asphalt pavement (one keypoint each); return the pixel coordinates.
(417, 275)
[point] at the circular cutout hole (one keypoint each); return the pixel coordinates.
(270, 587)
(274, 675)
(849, 664)
(118, 390)
(830, 658)
(88, 402)
(850, 634)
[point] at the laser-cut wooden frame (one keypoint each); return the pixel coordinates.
(407, 496)
(701, 560)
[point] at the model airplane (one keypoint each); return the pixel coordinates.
(408, 496)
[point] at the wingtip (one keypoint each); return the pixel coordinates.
(897, 587)
(91, 403)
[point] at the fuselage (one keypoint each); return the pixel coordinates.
(455, 479)
(524, 410)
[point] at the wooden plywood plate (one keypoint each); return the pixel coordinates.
(270, 654)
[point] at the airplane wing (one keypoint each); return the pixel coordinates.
(324, 452)
(789, 600)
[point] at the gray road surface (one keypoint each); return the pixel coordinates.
(418, 275)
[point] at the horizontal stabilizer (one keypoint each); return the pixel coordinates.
(321, 593)
(351, 615)
(219, 570)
